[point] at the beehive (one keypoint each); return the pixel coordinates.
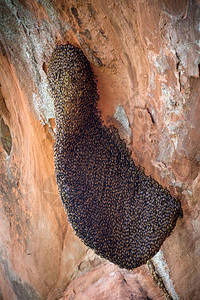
(113, 207)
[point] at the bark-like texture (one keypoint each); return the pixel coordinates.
(146, 57)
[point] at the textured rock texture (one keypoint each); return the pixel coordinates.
(146, 55)
(107, 282)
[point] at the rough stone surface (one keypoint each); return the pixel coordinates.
(146, 55)
(107, 282)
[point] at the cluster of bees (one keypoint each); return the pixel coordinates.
(113, 207)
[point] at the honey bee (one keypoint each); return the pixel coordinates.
(113, 207)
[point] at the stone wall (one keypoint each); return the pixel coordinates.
(146, 56)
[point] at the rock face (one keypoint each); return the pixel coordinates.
(107, 281)
(147, 59)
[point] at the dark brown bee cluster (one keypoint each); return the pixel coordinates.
(114, 208)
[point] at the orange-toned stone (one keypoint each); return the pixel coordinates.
(146, 58)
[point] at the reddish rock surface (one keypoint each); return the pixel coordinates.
(146, 55)
(107, 281)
